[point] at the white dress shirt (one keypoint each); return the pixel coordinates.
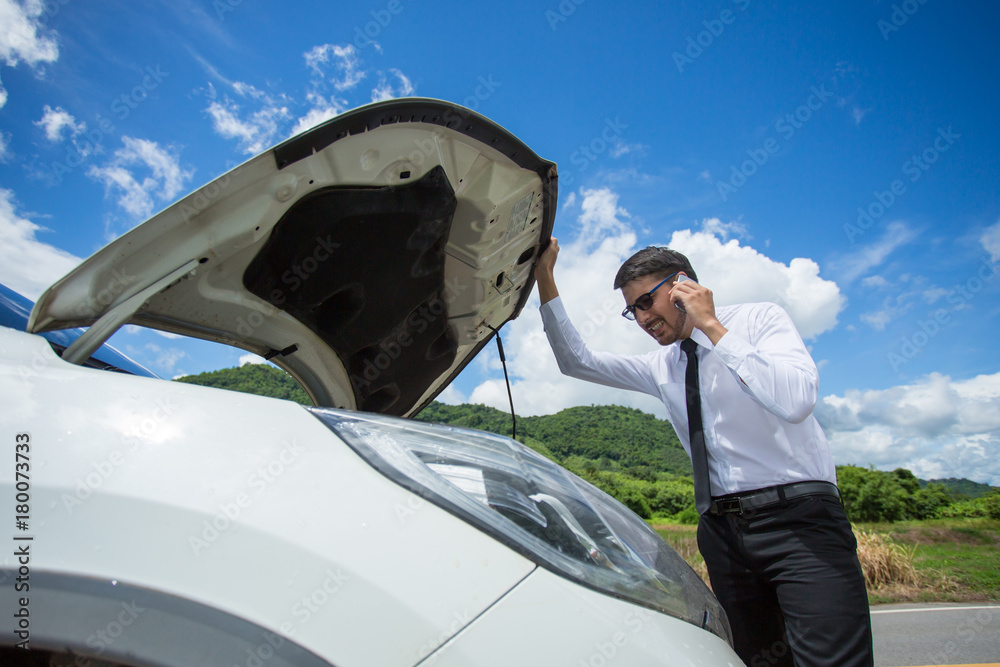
(758, 390)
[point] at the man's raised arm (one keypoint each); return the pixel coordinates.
(544, 272)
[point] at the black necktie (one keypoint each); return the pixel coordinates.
(696, 430)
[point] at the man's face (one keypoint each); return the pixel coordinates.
(663, 321)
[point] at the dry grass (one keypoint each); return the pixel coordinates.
(888, 565)
(885, 562)
(688, 549)
(889, 571)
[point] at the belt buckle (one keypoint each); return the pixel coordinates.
(730, 505)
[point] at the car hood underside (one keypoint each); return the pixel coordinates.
(371, 257)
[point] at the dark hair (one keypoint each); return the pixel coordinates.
(654, 260)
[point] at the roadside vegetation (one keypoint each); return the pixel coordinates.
(936, 540)
(941, 560)
(955, 560)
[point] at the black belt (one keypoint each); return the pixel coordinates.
(774, 495)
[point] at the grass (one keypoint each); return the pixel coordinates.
(684, 540)
(956, 560)
(944, 560)
(885, 562)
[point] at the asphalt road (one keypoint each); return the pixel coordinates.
(938, 634)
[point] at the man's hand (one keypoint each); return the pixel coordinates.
(700, 307)
(545, 272)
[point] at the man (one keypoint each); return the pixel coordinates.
(779, 548)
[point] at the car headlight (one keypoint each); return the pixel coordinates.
(534, 506)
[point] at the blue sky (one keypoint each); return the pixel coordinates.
(838, 158)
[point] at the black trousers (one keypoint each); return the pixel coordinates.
(789, 579)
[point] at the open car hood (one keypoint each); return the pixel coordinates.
(371, 257)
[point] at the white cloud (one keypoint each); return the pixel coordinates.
(28, 265)
(335, 64)
(256, 121)
(991, 241)
(740, 274)
(451, 396)
(164, 182)
(893, 308)
(934, 294)
(247, 90)
(385, 90)
(54, 121)
(585, 272)
(619, 148)
(323, 109)
(256, 118)
(935, 427)
(21, 38)
(251, 358)
(255, 130)
(4, 148)
(600, 216)
(874, 281)
(164, 359)
(133, 196)
(212, 71)
(338, 68)
(879, 319)
(862, 259)
(724, 229)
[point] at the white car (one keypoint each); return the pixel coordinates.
(160, 523)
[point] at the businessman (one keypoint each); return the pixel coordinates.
(739, 387)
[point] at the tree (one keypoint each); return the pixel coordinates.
(871, 495)
(907, 480)
(926, 502)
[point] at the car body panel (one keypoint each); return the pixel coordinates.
(15, 310)
(90, 622)
(371, 257)
(590, 629)
(151, 483)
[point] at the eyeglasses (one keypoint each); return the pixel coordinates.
(645, 301)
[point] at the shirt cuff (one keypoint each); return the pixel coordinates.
(554, 308)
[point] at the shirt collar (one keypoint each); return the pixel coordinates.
(701, 338)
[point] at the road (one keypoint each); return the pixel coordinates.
(936, 634)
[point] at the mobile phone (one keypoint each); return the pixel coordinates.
(680, 306)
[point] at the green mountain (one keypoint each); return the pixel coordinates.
(962, 489)
(260, 379)
(612, 436)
